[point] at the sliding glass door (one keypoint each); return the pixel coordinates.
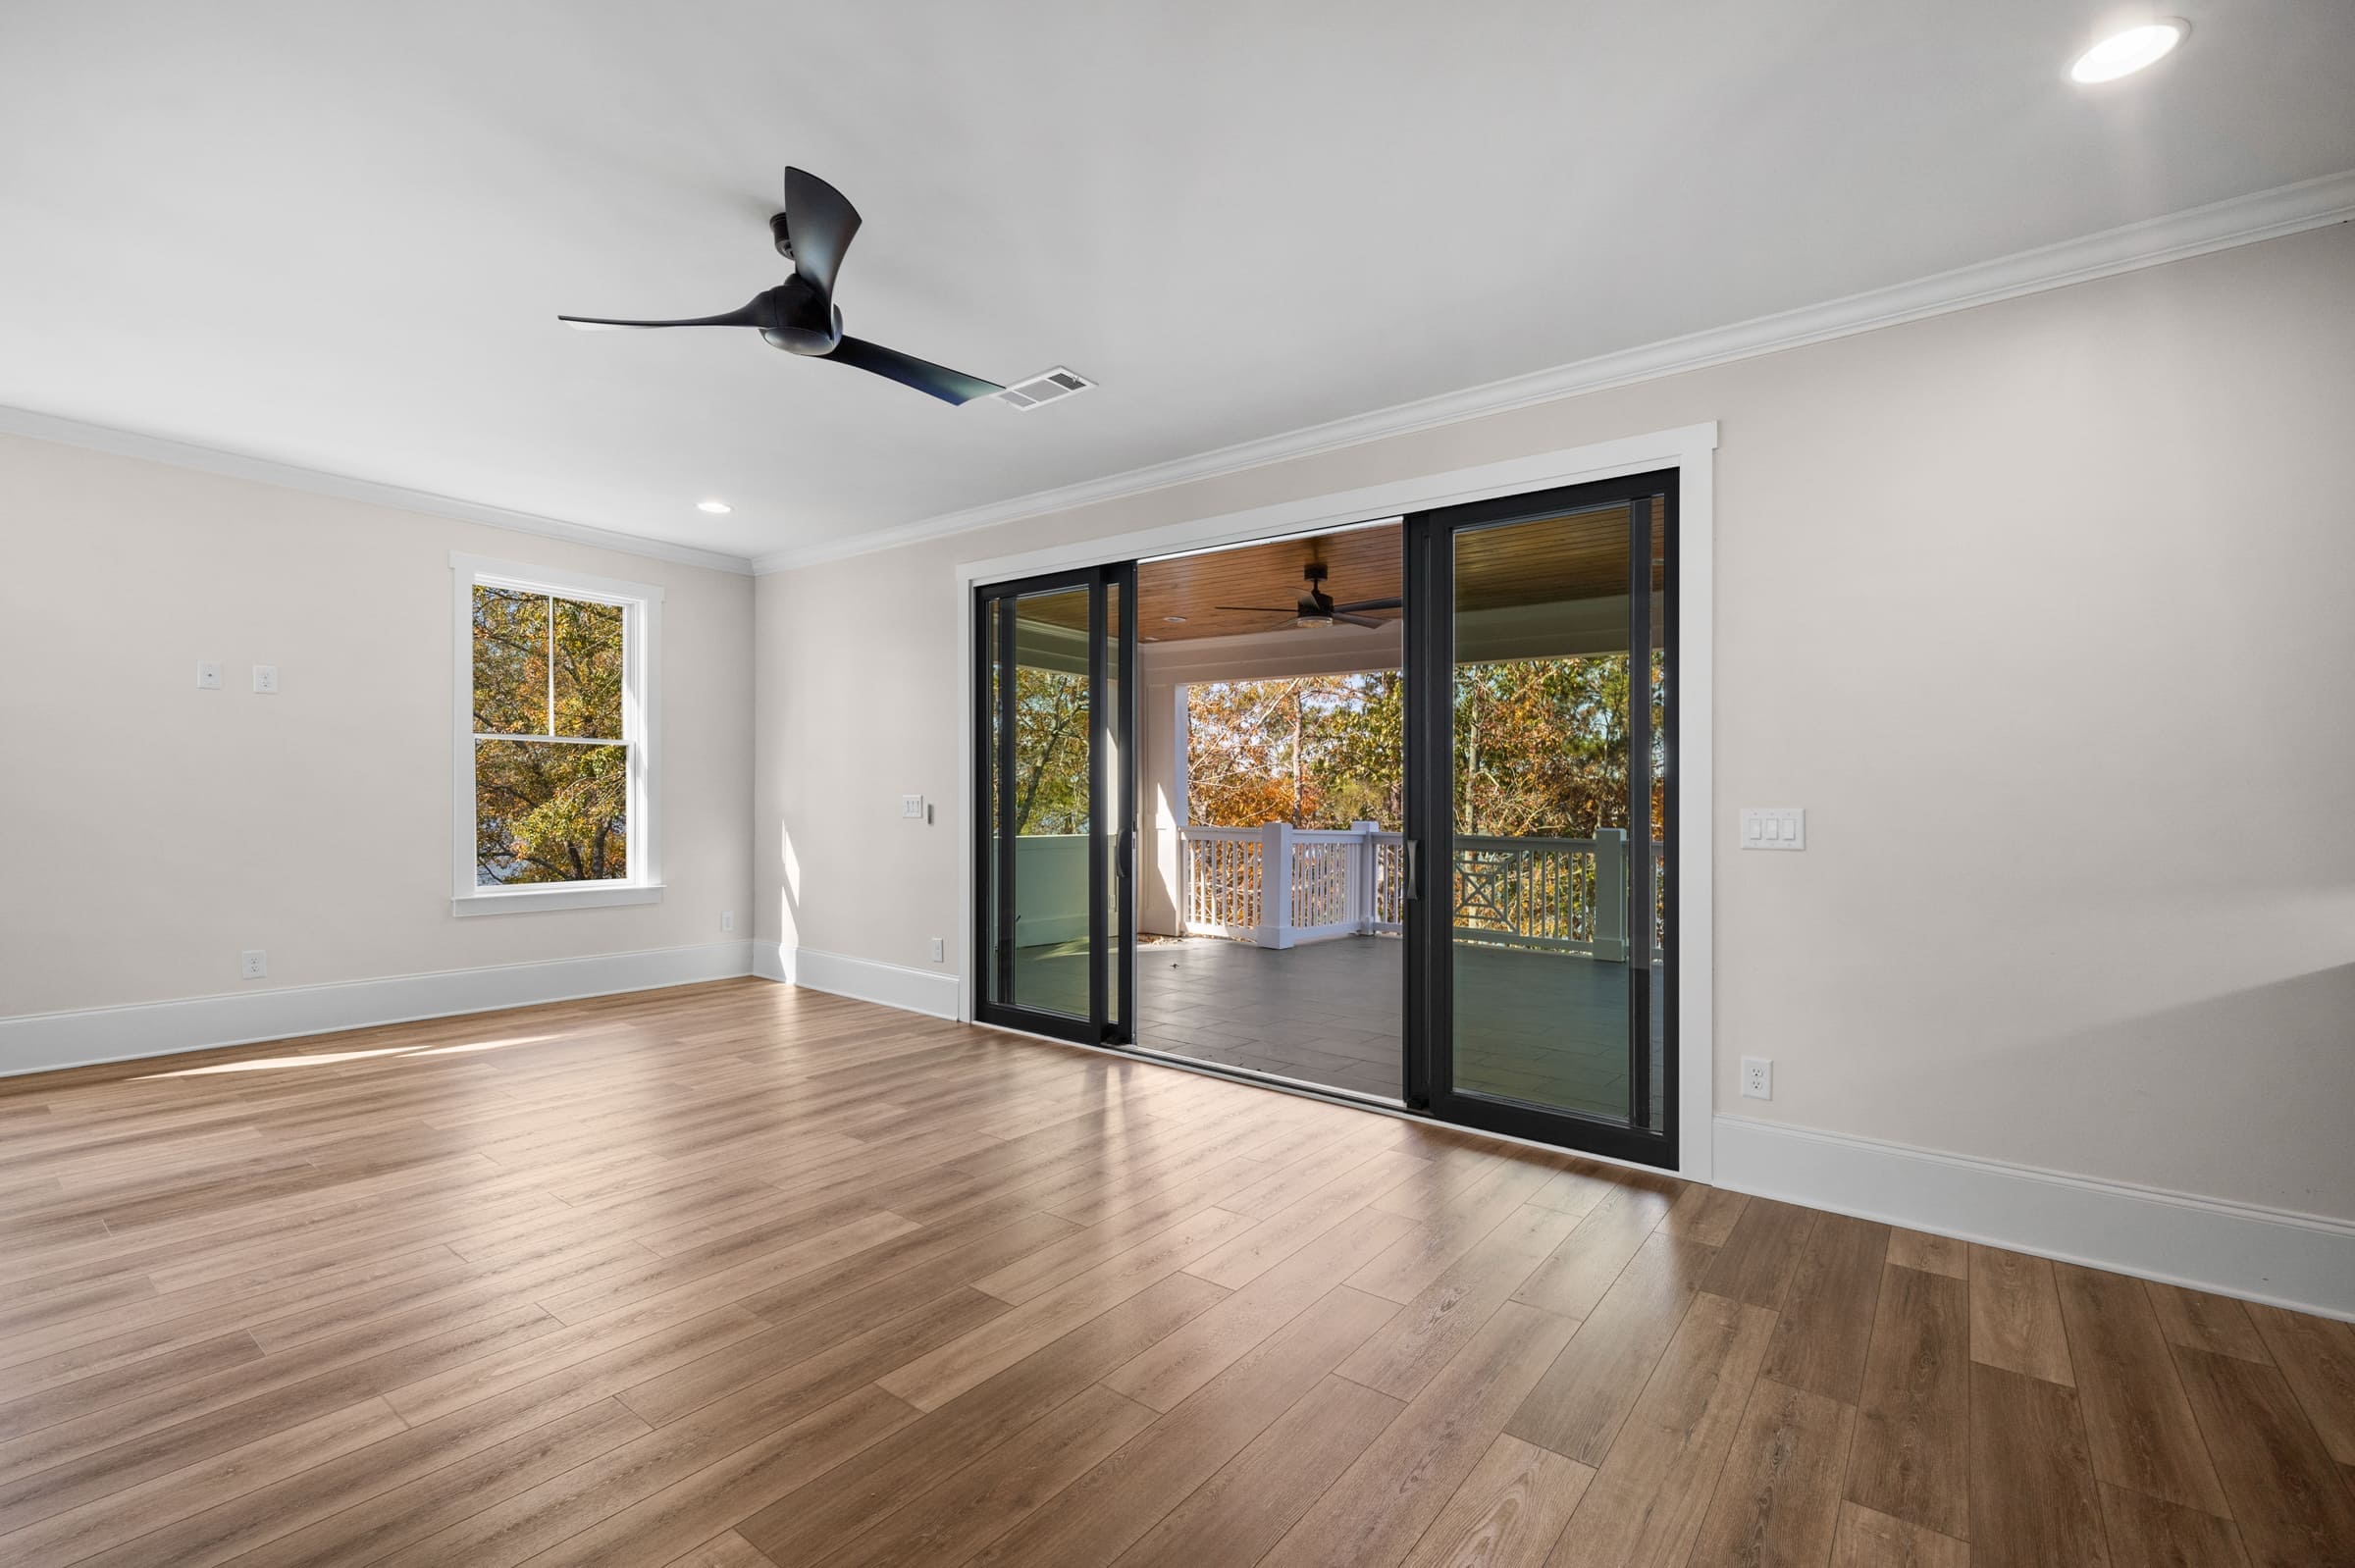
(1055, 786)
(1533, 883)
(1541, 762)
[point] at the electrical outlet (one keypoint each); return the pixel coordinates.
(1758, 1078)
(208, 676)
(727, 919)
(940, 951)
(913, 806)
(252, 964)
(265, 678)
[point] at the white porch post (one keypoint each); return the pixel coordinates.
(1275, 886)
(1160, 759)
(1610, 894)
(1361, 878)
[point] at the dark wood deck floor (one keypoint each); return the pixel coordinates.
(1549, 1028)
(738, 1275)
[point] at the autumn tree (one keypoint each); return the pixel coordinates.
(1541, 749)
(551, 770)
(1315, 750)
(1050, 750)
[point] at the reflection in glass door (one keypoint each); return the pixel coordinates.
(1053, 922)
(1541, 649)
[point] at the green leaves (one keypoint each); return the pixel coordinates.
(1050, 750)
(510, 662)
(1541, 749)
(589, 670)
(549, 812)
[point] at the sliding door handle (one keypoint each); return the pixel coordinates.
(1414, 869)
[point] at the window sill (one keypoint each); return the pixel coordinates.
(525, 901)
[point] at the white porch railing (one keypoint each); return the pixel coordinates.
(1277, 885)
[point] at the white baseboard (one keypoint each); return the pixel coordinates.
(2287, 1259)
(935, 993)
(42, 1041)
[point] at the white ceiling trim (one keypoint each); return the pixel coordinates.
(2177, 236)
(238, 465)
(2239, 220)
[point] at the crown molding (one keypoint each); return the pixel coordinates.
(2175, 236)
(286, 476)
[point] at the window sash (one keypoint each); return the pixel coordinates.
(556, 740)
(640, 604)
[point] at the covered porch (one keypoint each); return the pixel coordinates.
(1544, 1028)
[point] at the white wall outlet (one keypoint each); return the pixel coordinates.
(940, 951)
(265, 677)
(252, 964)
(913, 806)
(727, 919)
(208, 676)
(1758, 1078)
(1774, 828)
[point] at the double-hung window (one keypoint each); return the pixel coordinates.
(553, 768)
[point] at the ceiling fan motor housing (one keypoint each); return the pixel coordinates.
(798, 318)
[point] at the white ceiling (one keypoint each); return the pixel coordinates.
(336, 236)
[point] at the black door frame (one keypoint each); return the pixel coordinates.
(1428, 1065)
(1111, 865)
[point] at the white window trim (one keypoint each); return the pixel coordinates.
(641, 727)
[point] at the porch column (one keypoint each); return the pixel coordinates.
(1361, 878)
(1610, 894)
(1275, 886)
(1162, 806)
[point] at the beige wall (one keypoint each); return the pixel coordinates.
(2044, 610)
(153, 831)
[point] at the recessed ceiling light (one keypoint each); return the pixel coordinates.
(1173, 620)
(2121, 54)
(718, 508)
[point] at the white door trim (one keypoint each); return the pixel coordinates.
(1691, 450)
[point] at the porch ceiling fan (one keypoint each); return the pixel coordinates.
(799, 315)
(1316, 606)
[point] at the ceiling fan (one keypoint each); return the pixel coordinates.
(1317, 608)
(799, 315)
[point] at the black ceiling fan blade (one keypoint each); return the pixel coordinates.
(820, 221)
(744, 317)
(1370, 604)
(949, 385)
(1261, 610)
(1347, 619)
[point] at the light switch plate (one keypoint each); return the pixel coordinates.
(208, 676)
(265, 677)
(913, 806)
(1774, 828)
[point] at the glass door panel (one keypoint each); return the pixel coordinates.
(1538, 930)
(1050, 741)
(1546, 733)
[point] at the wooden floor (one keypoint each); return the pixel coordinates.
(737, 1274)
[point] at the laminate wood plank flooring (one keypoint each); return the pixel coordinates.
(738, 1275)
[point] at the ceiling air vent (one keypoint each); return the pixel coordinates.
(1045, 389)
